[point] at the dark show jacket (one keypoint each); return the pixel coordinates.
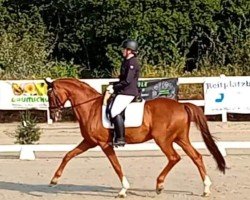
(129, 75)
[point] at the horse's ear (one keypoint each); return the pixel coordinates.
(49, 82)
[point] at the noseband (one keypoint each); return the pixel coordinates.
(58, 103)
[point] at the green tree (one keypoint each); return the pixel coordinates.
(23, 43)
(27, 132)
(190, 34)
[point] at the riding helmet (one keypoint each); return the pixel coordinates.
(130, 44)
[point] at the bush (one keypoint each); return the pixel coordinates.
(27, 132)
(61, 69)
(24, 43)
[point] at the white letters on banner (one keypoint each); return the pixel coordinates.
(227, 94)
(15, 95)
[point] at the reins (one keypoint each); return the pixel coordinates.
(61, 106)
(86, 101)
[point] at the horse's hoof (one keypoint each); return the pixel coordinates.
(121, 196)
(159, 189)
(206, 194)
(53, 182)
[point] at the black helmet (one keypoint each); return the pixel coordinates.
(130, 44)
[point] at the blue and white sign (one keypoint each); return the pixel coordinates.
(227, 94)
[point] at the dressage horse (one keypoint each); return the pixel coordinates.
(166, 121)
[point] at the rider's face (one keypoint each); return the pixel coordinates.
(126, 52)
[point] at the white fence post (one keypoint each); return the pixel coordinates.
(27, 153)
(49, 121)
(224, 112)
(224, 116)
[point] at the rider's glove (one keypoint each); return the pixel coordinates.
(110, 89)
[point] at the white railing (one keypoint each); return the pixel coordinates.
(97, 84)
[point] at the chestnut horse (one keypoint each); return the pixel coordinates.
(165, 121)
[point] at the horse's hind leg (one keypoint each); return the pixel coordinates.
(173, 159)
(110, 153)
(197, 159)
(82, 147)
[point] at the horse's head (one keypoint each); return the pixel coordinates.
(57, 98)
(72, 89)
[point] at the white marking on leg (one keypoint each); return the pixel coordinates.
(207, 183)
(125, 187)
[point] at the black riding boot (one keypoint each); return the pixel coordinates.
(119, 131)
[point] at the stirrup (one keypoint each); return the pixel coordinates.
(116, 144)
(119, 142)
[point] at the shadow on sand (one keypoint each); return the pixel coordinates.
(40, 190)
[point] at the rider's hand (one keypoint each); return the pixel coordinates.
(110, 89)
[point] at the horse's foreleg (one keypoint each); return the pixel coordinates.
(173, 159)
(110, 153)
(82, 147)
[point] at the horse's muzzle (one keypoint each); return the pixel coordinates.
(56, 114)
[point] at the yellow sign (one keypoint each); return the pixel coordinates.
(33, 89)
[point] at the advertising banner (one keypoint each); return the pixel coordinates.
(151, 89)
(15, 95)
(227, 94)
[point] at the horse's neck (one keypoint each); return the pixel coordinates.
(82, 95)
(82, 101)
(87, 111)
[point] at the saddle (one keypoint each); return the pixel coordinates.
(133, 114)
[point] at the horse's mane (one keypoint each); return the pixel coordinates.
(77, 83)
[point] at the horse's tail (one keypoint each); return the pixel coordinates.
(196, 115)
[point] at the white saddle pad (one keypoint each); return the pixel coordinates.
(133, 115)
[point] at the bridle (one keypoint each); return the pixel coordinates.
(59, 105)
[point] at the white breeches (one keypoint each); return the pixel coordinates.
(120, 103)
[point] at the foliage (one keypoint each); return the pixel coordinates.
(22, 44)
(100, 73)
(167, 31)
(62, 69)
(27, 132)
(173, 70)
(25, 49)
(43, 37)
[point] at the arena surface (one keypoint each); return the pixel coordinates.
(90, 176)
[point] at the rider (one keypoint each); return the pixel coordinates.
(126, 89)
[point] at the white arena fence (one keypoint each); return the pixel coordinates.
(235, 89)
(27, 152)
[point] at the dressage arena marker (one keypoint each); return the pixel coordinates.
(27, 152)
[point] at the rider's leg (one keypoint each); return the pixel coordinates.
(119, 105)
(119, 130)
